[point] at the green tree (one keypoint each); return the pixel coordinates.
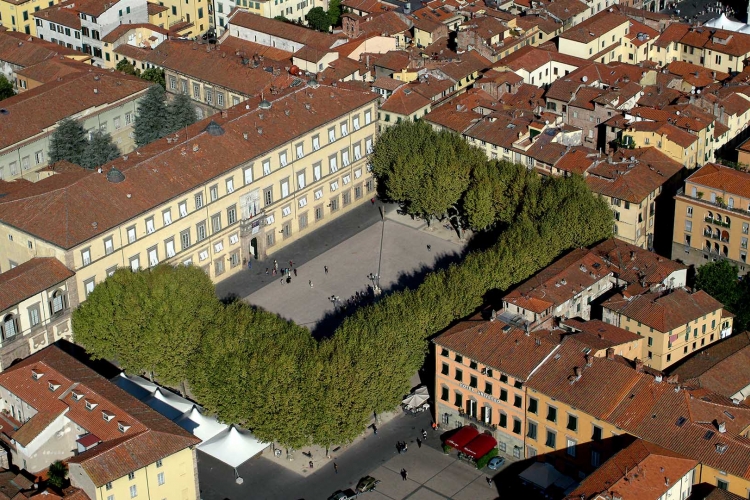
(6, 88)
(99, 150)
(334, 12)
(68, 142)
(181, 113)
(149, 321)
(318, 19)
(719, 280)
(151, 119)
(126, 67)
(57, 474)
(428, 184)
(155, 75)
(250, 370)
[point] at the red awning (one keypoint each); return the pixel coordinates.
(88, 440)
(479, 446)
(462, 436)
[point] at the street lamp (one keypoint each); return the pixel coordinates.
(375, 278)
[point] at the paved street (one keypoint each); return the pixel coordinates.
(431, 474)
(350, 247)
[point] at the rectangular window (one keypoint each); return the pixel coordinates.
(300, 150)
(503, 395)
(169, 248)
(183, 208)
(531, 430)
(596, 434)
(444, 393)
(345, 157)
(160, 478)
(533, 405)
(86, 256)
(135, 263)
(473, 382)
(282, 159)
(214, 192)
(216, 223)
(551, 439)
(488, 388)
(332, 165)
(200, 230)
(230, 185)
(248, 175)
(459, 399)
(167, 217)
(516, 426)
(316, 172)
(88, 286)
(266, 167)
(133, 491)
(268, 196)
(109, 246)
(284, 188)
(301, 179)
(571, 448)
(196, 91)
(368, 117)
(150, 227)
(517, 401)
(316, 142)
(551, 413)
(34, 318)
(572, 423)
(331, 134)
(153, 256)
(231, 215)
(198, 201)
(459, 375)
(344, 129)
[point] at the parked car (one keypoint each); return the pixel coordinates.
(366, 484)
(348, 494)
(495, 463)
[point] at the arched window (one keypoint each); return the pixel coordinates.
(58, 302)
(710, 215)
(718, 218)
(730, 204)
(726, 220)
(10, 327)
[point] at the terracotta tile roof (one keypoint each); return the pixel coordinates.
(527, 97)
(63, 13)
(658, 96)
(281, 29)
(501, 346)
(717, 40)
(500, 76)
(30, 278)
(52, 69)
(405, 101)
(664, 312)
(387, 83)
(697, 76)
(600, 388)
(686, 116)
(673, 133)
(723, 367)
(234, 44)
(394, 60)
(470, 62)
(485, 27)
(154, 9)
(11, 484)
(369, 6)
(546, 25)
(149, 437)
(530, 58)
(387, 24)
(638, 28)
(35, 110)
(25, 50)
(459, 115)
(122, 29)
(584, 97)
(642, 471)
(722, 178)
(425, 24)
(341, 68)
(599, 334)
(576, 161)
(559, 282)
(180, 167)
(595, 26)
(612, 74)
(719, 494)
(635, 265)
(564, 9)
(673, 33)
(633, 175)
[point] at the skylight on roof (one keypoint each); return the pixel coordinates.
(708, 435)
(680, 421)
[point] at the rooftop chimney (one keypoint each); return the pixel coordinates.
(638, 365)
(722, 427)
(578, 371)
(493, 315)
(610, 353)
(589, 360)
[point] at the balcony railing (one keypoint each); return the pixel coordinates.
(480, 422)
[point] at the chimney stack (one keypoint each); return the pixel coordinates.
(578, 371)
(589, 360)
(610, 353)
(638, 365)
(722, 427)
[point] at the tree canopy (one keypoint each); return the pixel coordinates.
(99, 150)
(318, 19)
(334, 12)
(68, 142)
(181, 113)
(720, 280)
(57, 474)
(151, 119)
(6, 88)
(155, 75)
(126, 67)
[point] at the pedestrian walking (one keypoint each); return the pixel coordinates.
(336, 467)
(311, 464)
(375, 429)
(295, 272)
(291, 263)
(372, 200)
(429, 248)
(404, 474)
(288, 279)
(424, 434)
(250, 264)
(434, 426)
(266, 270)
(275, 265)
(489, 482)
(310, 283)
(325, 268)
(419, 443)
(274, 271)
(282, 281)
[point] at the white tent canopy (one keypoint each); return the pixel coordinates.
(724, 23)
(173, 400)
(199, 425)
(233, 446)
(544, 475)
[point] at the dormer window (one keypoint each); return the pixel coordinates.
(107, 416)
(90, 405)
(53, 385)
(123, 427)
(76, 395)
(35, 374)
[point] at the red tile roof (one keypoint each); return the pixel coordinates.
(187, 162)
(26, 50)
(530, 58)
(122, 29)
(634, 265)
(288, 31)
(559, 282)
(63, 13)
(35, 110)
(595, 26)
(599, 334)
(697, 76)
(723, 179)
(405, 101)
(672, 133)
(149, 438)
(664, 311)
(642, 471)
(633, 174)
(52, 69)
(501, 346)
(30, 278)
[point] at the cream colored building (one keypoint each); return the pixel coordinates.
(34, 309)
(99, 100)
(712, 48)
(601, 38)
(243, 186)
(63, 410)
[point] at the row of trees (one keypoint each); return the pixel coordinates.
(322, 20)
(251, 367)
(157, 119)
(155, 75)
(72, 143)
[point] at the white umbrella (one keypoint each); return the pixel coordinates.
(415, 400)
(421, 390)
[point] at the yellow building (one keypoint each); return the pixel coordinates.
(18, 15)
(712, 218)
(630, 181)
(115, 446)
(674, 324)
(240, 186)
(599, 38)
(712, 48)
